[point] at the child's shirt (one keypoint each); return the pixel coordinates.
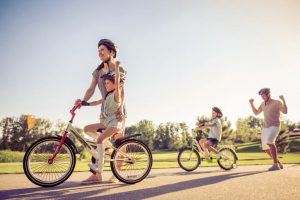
(216, 130)
(111, 106)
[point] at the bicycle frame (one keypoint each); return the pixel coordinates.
(87, 144)
(195, 146)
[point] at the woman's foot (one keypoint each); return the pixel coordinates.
(113, 179)
(94, 178)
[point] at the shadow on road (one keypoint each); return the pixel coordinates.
(72, 190)
(175, 187)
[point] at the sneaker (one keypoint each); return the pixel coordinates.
(280, 165)
(275, 166)
(94, 167)
(92, 180)
(218, 156)
(208, 159)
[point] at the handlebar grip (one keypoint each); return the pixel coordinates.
(84, 103)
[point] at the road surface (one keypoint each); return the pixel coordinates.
(245, 182)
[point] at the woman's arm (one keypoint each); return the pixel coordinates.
(96, 103)
(90, 91)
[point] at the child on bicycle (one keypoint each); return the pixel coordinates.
(111, 123)
(215, 134)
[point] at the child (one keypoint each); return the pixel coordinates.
(111, 124)
(215, 133)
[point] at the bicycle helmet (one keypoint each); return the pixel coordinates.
(265, 91)
(218, 110)
(109, 44)
(111, 76)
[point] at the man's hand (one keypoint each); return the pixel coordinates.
(282, 98)
(251, 101)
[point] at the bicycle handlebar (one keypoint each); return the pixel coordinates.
(77, 106)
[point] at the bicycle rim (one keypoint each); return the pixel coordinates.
(229, 160)
(188, 159)
(132, 162)
(44, 173)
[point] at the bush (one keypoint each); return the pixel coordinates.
(7, 156)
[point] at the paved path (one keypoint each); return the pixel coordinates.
(245, 182)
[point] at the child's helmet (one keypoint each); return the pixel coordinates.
(111, 76)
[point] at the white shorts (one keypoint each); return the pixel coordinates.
(268, 136)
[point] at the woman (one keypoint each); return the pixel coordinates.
(107, 54)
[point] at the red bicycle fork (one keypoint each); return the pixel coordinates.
(62, 141)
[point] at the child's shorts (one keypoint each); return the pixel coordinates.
(113, 122)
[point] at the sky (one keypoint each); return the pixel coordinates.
(182, 56)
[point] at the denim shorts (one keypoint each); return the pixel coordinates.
(214, 141)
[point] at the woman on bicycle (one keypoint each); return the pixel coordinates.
(215, 133)
(107, 54)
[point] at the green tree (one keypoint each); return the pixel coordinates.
(145, 128)
(282, 140)
(248, 129)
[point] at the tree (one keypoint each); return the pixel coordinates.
(282, 140)
(248, 129)
(146, 129)
(228, 135)
(185, 136)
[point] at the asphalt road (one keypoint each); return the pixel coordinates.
(245, 182)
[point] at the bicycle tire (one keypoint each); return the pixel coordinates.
(115, 169)
(197, 160)
(28, 171)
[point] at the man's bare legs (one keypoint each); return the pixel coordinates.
(272, 152)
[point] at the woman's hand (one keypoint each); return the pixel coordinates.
(78, 101)
(120, 114)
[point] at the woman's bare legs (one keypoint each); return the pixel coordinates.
(108, 132)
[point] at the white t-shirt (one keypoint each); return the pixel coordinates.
(216, 130)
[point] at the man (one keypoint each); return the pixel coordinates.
(271, 127)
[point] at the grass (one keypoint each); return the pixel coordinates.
(248, 154)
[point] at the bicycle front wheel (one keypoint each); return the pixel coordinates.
(131, 161)
(188, 159)
(228, 159)
(47, 174)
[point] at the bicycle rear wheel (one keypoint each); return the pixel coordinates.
(228, 161)
(43, 173)
(188, 159)
(131, 162)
